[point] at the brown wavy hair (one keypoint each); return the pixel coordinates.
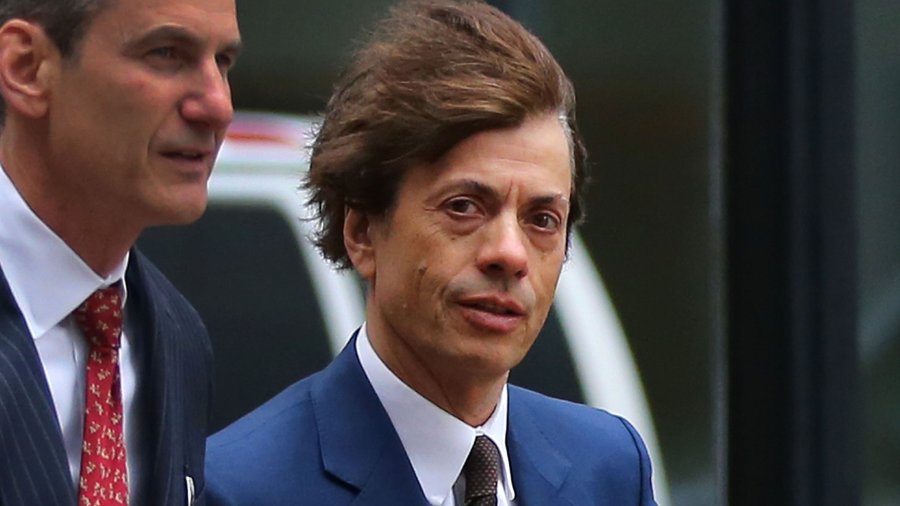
(433, 73)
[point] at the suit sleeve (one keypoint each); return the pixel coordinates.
(646, 494)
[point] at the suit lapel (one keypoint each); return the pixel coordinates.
(539, 471)
(359, 444)
(159, 400)
(33, 465)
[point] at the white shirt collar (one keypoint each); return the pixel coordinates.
(436, 442)
(47, 279)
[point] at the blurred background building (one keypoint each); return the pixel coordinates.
(659, 86)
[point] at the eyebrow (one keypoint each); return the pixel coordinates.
(182, 34)
(486, 191)
(549, 200)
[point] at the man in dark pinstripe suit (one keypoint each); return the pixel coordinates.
(114, 111)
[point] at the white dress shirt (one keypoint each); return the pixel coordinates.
(48, 281)
(436, 442)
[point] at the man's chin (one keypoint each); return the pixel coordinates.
(490, 359)
(183, 212)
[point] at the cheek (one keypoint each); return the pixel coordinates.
(426, 281)
(427, 253)
(403, 274)
(550, 267)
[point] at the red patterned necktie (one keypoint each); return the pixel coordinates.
(104, 480)
(482, 469)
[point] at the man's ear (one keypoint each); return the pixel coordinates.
(358, 242)
(27, 60)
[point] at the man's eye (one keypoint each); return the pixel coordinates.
(546, 221)
(225, 61)
(462, 206)
(166, 52)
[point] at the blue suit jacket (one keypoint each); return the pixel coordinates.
(174, 389)
(327, 440)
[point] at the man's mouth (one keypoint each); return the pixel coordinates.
(492, 314)
(192, 155)
(494, 308)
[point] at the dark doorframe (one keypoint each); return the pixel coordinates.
(791, 283)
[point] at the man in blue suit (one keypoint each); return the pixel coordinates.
(113, 112)
(448, 173)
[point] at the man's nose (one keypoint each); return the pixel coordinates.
(504, 250)
(209, 103)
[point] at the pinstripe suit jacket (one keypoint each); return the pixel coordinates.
(174, 389)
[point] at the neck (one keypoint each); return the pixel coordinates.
(100, 236)
(464, 392)
(101, 246)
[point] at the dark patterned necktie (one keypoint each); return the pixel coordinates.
(481, 471)
(104, 480)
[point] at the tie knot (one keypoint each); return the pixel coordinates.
(100, 317)
(482, 469)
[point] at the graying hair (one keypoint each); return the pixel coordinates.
(64, 21)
